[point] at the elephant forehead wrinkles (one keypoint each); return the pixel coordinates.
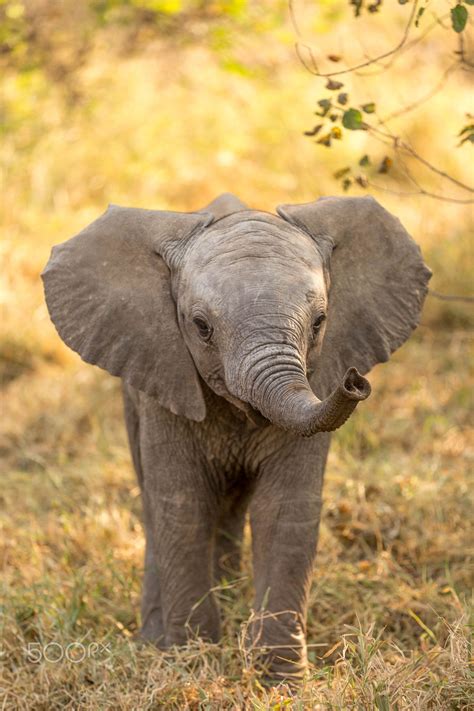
(253, 239)
(270, 291)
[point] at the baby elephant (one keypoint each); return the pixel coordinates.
(241, 338)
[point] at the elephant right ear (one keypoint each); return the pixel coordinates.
(378, 283)
(108, 293)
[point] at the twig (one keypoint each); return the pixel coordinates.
(399, 144)
(420, 191)
(451, 297)
(405, 48)
(293, 19)
(462, 55)
(409, 107)
(406, 147)
(314, 70)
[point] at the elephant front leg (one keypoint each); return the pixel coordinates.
(152, 628)
(183, 532)
(181, 513)
(284, 515)
(284, 537)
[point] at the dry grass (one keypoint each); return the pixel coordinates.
(389, 606)
(388, 623)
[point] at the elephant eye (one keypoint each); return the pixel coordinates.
(204, 329)
(317, 323)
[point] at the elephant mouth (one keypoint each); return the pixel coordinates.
(255, 417)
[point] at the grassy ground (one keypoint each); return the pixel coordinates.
(389, 606)
(389, 613)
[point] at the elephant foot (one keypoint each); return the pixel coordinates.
(277, 648)
(276, 670)
(152, 631)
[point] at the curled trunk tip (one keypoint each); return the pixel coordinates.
(275, 385)
(334, 411)
(293, 406)
(355, 386)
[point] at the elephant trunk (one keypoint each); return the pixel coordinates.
(297, 408)
(278, 388)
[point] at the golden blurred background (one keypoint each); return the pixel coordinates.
(165, 104)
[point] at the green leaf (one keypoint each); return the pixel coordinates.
(346, 184)
(374, 6)
(314, 131)
(458, 18)
(365, 160)
(470, 127)
(325, 140)
(385, 165)
(419, 15)
(352, 119)
(341, 172)
(357, 6)
(325, 105)
(469, 137)
(369, 108)
(469, 2)
(334, 85)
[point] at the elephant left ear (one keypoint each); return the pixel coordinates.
(108, 292)
(378, 283)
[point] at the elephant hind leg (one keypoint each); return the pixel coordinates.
(152, 628)
(229, 535)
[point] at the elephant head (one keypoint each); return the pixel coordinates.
(271, 312)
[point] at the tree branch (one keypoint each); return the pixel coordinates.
(420, 191)
(406, 47)
(399, 144)
(451, 297)
(386, 136)
(414, 105)
(314, 70)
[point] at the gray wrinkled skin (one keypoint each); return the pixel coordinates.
(241, 338)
